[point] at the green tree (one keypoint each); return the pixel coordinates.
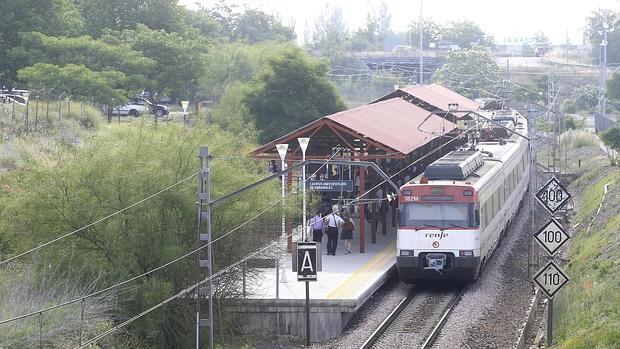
(586, 97)
(77, 186)
(178, 58)
(96, 55)
(118, 15)
(290, 91)
(52, 17)
(611, 138)
(540, 39)
(373, 35)
(594, 31)
(431, 32)
(78, 81)
(613, 86)
(253, 26)
(330, 33)
(467, 34)
(470, 72)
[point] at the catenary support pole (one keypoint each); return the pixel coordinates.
(420, 29)
(532, 184)
(204, 218)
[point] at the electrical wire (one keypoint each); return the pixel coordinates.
(165, 264)
(95, 222)
(192, 287)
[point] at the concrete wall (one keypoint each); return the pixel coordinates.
(288, 317)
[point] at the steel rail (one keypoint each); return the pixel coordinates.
(430, 340)
(389, 320)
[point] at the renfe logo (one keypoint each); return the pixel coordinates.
(439, 235)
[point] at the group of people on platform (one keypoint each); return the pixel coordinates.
(329, 225)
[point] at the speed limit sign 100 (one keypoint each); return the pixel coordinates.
(551, 236)
(553, 195)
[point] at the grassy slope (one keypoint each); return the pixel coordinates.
(588, 308)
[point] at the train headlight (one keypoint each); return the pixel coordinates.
(466, 253)
(406, 253)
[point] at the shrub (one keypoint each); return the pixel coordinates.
(10, 158)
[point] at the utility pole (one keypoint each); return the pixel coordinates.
(204, 218)
(507, 93)
(421, 47)
(531, 123)
(567, 42)
(551, 120)
(603, 67)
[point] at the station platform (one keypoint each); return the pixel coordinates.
(345, 283)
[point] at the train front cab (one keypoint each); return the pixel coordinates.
(438, 233)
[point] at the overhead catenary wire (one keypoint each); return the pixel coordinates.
(109, 288)
(192, 287)
(95, 222)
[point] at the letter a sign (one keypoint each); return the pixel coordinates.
(306, 261)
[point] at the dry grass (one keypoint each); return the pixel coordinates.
(22, 292)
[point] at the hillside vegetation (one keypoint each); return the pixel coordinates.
(588, 309)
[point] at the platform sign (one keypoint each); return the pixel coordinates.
(551, 279)
(306, 261)
(552, 236)
(553, 195)
(330, 185)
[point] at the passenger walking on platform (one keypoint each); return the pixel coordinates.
(318, 227)
(333, 222)
(347, 231)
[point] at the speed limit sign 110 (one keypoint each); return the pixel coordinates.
(553, 195)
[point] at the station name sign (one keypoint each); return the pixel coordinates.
(330, 185)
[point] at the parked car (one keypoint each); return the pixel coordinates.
(137, 106)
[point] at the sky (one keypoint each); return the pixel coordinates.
(503, 19)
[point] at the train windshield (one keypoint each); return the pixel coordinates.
(437, 214)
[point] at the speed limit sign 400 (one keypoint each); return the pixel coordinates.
(553, 195)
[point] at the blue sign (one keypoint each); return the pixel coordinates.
(330, 185)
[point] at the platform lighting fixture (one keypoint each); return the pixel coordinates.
(303, 144)
(453, 106)
(282, 149)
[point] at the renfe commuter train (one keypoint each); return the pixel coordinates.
(452, 217)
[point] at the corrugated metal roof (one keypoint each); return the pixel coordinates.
(394, 123)
(440, 97)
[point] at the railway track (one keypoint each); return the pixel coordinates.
(416, 321)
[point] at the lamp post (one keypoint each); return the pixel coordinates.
(303, 144)
(282, 148)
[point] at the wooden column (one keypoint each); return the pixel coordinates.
(289, 222)
(384, 207)
(362, 221)
(373, 209)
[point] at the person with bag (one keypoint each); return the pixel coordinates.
(347, 231)
(333, 221)
(318, 227)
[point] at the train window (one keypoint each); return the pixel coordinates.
(437, 214)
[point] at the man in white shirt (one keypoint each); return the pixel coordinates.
(333, 221)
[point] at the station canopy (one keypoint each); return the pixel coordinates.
(435, 98)
(388, 129)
